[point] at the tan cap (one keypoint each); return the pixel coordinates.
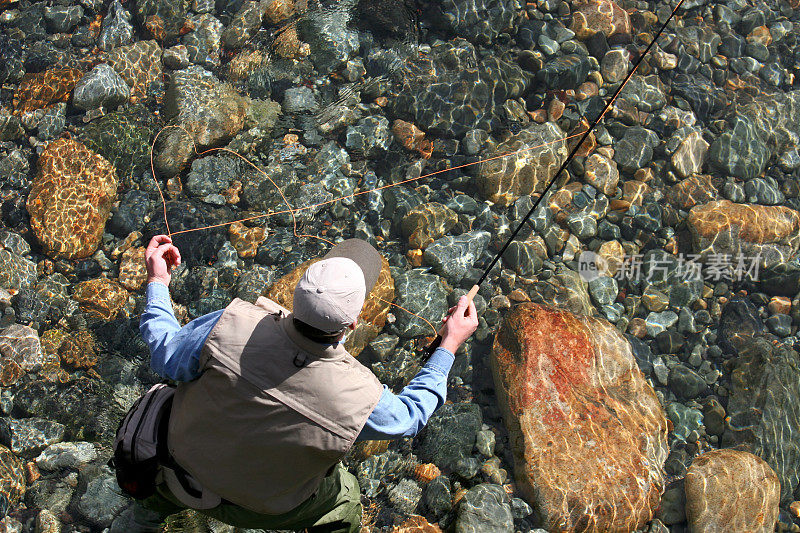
(332, 291)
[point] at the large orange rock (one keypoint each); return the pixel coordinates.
(731, 490)
(723, 227)
(373, 314)
(70, 199)
(588, 433)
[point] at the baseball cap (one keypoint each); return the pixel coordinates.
(332, 291)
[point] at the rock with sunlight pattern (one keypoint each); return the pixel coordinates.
(588, 433)
(731, 490)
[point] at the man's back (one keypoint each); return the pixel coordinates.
(271, 413)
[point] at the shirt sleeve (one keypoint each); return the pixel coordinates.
(174, 350)
(405, 414)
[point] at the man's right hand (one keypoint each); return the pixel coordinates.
(459, 324)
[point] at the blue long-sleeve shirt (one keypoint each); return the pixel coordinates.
(175, 354)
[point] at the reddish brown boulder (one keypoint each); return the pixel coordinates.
(588, 433)
(731, 490)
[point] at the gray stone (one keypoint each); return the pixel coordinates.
(451, 256)
(61, 19)
(21, 345)
(52, 122)
(478, 21)
(204, 42)
(673, 505)
(437, 498)
(66, 455)
(405, 496)
(116, 29)
(16, 271)
(582, 224)
(299, 100)
(332, 42)
(27, 437)
(658, 322)
(684, 419)
(176, 57)
(485, 507)
(485, 442)
(740, 151)
(51, 494)
(603, 290)
(212, 174)
(450, 434)
(244, 24)
(635, 150)
(780, 325)
(100, 87)
(102, 501)
(686, 383)
(369, 138)
(423, 294)
(763, 409)
(520, 509)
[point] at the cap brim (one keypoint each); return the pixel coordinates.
(364, 255)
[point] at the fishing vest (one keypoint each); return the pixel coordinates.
(272, 411)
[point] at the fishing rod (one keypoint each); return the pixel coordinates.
(474, 290)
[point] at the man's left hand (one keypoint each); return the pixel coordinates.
(160, 257)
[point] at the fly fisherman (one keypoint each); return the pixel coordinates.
(269, 401)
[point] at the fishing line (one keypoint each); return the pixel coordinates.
(293, 211)
(474, 290)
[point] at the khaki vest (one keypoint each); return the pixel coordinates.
(255, 428)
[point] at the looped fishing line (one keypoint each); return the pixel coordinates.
(293, 211)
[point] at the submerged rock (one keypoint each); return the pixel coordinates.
(12, 477)
(731, 490)
(577, 407)
(207, 112)
(450, 91)
(70, 199)
(478, 21)
(723, 227)
(139, 64)
(39, 90)
(423, 294)
(101, 87)
(485, 507)
(599, 16)
(540, 151)
(450, 434)
(427, 222)
(763, 411)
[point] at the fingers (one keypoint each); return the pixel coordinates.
(158, 240)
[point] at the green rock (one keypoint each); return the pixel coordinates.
(123, 138)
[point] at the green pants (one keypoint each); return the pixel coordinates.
(335, 508)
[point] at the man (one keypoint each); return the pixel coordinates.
(270, 401)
